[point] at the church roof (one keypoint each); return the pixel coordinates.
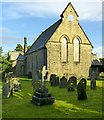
(44, 37)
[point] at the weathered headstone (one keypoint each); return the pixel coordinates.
(63, 82)
(73, 80)
(11, 86)
(84, 82)
(6, 90)
(54, 80)
(30, 75)
(42, 96)
(93, 81)
(81, 89)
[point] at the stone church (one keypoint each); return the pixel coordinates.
(63, 48)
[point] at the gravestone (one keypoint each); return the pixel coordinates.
(6, 90)
(11, 86)
(70, 86)
(93, 81)
(81, 89)
(8, 86)
(73, 80)
(54, 80)
(30, 75)
(63, 82)
(84, 82)
(42, 96)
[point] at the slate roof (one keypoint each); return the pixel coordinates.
(44, 37)
(96, 63)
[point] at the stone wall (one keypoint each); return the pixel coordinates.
(20, 68)
(54, 64)
(35, 62)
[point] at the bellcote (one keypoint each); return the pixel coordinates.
(69, 13)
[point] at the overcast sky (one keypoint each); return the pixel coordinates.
(29, 18)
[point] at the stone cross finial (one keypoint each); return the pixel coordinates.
(44, 72)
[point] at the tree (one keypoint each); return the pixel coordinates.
(0, 51)
(0, 61)
(19, 47)
(5, 64)
(28, 47)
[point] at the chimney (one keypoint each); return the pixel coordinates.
(25, 44)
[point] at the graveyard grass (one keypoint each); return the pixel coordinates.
(66, 104)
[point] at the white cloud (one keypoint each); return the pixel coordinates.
(86, 10)
(99, 51)
(4, 30)
(7, 40)
(89, 11)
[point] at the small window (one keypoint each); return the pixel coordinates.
(63, 49)
(76, 50)
(71, 18)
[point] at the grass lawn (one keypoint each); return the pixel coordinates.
(66, 104)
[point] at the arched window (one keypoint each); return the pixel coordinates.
(76, 50)
(63, 49)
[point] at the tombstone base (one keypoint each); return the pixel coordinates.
(93, 85)
(79, 98)
(42, 97)
(42, 101)
(82, 97)
(71, 89)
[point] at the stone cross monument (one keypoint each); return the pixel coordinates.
(41, 95)
(44, 72)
